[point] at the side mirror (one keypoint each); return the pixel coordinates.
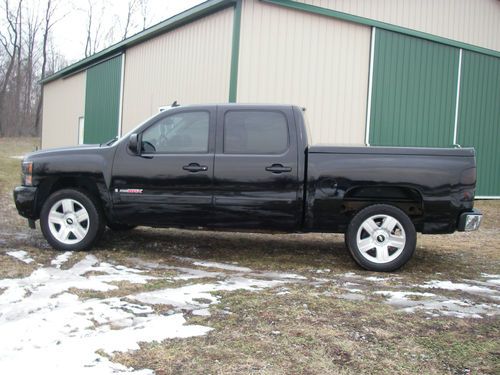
(134, 144)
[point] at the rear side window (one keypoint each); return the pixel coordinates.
(255, 132)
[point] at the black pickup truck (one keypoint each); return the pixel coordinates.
(249, 167)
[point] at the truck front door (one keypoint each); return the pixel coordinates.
(170, 182)
(256, 181)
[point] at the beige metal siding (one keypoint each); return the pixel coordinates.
(475, 22)
(63, 104)
(190, 64)
(319, 63)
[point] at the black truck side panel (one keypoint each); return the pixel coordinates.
(441, 179)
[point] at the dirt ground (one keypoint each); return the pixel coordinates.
(169, 301)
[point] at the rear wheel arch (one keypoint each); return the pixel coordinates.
(407, 199)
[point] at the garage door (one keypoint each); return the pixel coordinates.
(102, 101)
(413, 91)
(479, 117)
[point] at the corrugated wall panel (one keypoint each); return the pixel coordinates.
(288, 56)
(414, 92)
(474, 22)
(102, 101)
(479, 117)
(63, 104)
(190, 64)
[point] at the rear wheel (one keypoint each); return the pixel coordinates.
(381, 238)
(71, 220)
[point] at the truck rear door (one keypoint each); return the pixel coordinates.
(256, 182)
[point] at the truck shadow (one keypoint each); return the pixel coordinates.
(278, 251)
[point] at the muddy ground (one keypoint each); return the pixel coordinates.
(169, 301)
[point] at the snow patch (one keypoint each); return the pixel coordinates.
(61, 333)
(61, 259)
(435, 305)
(21, 255)
(190, 296)
(449, 285)
(208, 264)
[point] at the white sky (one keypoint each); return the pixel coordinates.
(69, 33)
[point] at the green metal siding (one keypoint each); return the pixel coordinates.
(479, 117)
(413, 91)
(102, 101)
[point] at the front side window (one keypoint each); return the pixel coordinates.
(185, 132)
(255, 132)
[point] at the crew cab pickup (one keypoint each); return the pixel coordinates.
(249, 167)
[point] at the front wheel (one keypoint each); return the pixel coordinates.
(381, 238)
(70, 220)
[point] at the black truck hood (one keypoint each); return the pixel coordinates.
(83, 149)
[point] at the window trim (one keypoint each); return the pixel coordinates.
(205, 152)
(284, 151)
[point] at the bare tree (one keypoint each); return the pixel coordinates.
(131, 8)
(94, 37)
(145, 10)
(10, 43)
(48, 24)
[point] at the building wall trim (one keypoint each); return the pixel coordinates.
(457, 102)
(235, 53)
(370, 87)
(379, 24)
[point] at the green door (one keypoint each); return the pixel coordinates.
(479, 117)
(102, 101)
(413, 91)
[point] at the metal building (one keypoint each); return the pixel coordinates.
(369, 72)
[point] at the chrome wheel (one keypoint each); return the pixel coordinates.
(68, 221)
(381, 238)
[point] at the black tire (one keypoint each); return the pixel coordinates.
(399, 257)
(120, 227)
(94, 225)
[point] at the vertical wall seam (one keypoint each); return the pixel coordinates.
(120, 106)
(457, 101)
(370, 85)
(235, 53)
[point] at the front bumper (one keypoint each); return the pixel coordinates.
(25, 199)
(470, 221)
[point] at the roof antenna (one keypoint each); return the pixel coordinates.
(175, 104)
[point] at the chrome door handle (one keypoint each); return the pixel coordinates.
(278, 168)
(195, 167)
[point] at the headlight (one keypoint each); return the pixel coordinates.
(27, 176)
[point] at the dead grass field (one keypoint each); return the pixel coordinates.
(304, 306)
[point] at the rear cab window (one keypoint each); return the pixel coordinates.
(253, 132)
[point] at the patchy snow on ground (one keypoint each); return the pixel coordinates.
(199, 296)
(21, 255)
(449, 285)
(435, 305)
(61, 333)
(61, 259)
